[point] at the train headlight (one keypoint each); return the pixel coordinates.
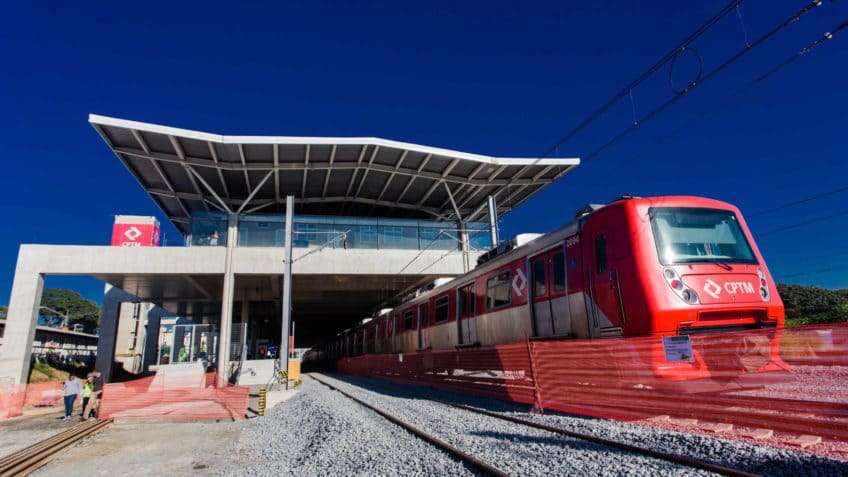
(764, 292)
(689, 296)
(669, 274)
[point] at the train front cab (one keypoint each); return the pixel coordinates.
(687, 267)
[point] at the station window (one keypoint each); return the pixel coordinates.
(600, 254)
(422, 315)
(407, 319)
(498, 290)
(441, 309)
(539, 287)
(559, 271)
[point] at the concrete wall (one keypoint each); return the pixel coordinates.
(37, 261)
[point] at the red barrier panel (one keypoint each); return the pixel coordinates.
(150, 400)
(790, 381)
(13, 400)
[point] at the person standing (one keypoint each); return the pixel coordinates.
(96, 392)
(71, 389)
(87, 388)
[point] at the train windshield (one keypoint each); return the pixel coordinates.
(691, 235)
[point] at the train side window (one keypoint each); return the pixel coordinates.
(559, 271)
(539, 286)
(600, 254)
(422, 315)
(498, 290)
(407, 319)
(441, 309)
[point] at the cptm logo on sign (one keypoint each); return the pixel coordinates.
(714, 289)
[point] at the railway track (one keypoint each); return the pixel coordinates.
(489, 469)
(28, 459)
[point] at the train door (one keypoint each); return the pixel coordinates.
(542, 318)
(551, 310)
(422, 323)
(465, 315)
(558, 292)
(605, 307)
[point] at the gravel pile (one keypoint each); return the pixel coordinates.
(321, 432)
(515, 449)
(520, 450)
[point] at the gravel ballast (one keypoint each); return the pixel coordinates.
(513, 448)
(321, 432)
(535, 453)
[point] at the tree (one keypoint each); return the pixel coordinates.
(808, 304)
(79, 309)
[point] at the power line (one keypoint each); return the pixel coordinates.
(739, 93)
(798, 202)
(672, 55)
(711, 74)
(806, 222)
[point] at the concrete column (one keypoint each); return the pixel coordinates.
(245, 319)
(464, 246)
(21, 320)
(493, 220)
(151, 337)
(109, 315)
(225, 328)
(287, 284)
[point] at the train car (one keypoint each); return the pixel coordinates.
(637, 267)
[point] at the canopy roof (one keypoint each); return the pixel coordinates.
(187, 171)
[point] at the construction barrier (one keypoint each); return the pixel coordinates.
(13, 399)
(151, 399)
(791, 382)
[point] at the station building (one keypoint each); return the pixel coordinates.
(282, 236)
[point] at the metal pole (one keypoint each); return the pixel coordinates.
(493, 220)
(287, 285)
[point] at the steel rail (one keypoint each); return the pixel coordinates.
(674, 458)
(666, 456)
(28, 459)
(462, 456)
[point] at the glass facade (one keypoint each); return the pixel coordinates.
(266, 230)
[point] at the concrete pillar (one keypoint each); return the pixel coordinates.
(150, 354)
(225, 328)
(464, 246)
(109, 314)
(287, 284)
(21, 320)
(493, 219)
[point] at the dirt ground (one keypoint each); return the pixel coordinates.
(20, 432)
(147, 449)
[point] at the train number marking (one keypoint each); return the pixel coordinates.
(519, 282)
(712, 288)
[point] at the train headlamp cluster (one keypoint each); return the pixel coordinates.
(685, 293)
(764, 291)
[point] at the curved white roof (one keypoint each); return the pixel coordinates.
(186, 171)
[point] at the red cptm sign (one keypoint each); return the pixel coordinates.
(135, 231)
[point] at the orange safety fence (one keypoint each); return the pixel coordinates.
(173, 400)
(14, 399)
(778, 384)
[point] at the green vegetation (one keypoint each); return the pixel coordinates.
(43, 372)
(808, 305)
(81, 310)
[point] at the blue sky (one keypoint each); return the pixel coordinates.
(491, 77)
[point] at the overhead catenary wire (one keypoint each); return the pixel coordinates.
(706, 77)
(668, 57)
(798, 202)
(804, 223)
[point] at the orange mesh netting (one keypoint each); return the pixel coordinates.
(782, 382)
(14, 399)
(173, 400)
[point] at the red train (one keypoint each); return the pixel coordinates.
(680, 267)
